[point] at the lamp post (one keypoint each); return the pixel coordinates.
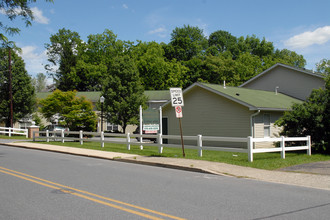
(102, 101)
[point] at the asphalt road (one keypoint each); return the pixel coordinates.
(46, 185)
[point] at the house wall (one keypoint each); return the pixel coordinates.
(209, 114)
(259, 127)
(290, 82)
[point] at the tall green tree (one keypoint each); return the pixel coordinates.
(186, 43)
(13, 9)
(289, 57)
(221, 42)
(323, 67)
(311, 118)
(123, 92)
(155, 71)
(23, 92)
(40, 83)
(74, 112)
(63, 53)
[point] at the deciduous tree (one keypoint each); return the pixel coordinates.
(23, 92)
(311, 118)
(74, 112)
(123, 92)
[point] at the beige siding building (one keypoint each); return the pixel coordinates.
(294, 82)
(214, 110)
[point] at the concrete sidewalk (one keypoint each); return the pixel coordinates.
(317, 181)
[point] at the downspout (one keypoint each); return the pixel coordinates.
(251, 122)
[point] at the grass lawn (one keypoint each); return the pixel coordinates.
(14, 136)
(269, 161)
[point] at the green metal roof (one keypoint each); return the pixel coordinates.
(92, 96)
(95, 96)
(254, 99)
(158, 94)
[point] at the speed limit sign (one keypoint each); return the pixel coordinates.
(176, 97)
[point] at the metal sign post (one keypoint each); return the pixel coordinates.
(177, 103)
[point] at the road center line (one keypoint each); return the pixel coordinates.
(74, 191)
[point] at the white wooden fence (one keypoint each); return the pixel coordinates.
(10, 131)
(250, 150)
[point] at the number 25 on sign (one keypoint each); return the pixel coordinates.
(176, 97)
(177, 103)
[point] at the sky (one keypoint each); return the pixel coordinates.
(302, 26)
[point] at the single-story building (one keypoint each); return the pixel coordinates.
(216, 110)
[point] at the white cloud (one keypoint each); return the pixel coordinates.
(34, 61)
(125, 6)
(319, 36)
(161, 32)
(38, 16)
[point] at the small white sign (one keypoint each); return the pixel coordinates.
(178, 111)
(151, 127)
(176, 97)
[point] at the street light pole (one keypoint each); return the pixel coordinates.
(102, 101)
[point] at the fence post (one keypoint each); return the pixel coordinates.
(47, 135)
(309, 145)
(62, 135)
(128, 139)
(9, 134)
(160, 142)
(102, 139)
(283, 147)
(250, 150)
(26, 133)
(81, 137)
(200, 145)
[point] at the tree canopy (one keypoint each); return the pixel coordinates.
(123, 92)
(74, 112)
(22, 90)
(311, 118)
(189, 57)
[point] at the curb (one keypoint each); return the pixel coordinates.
(134, 161)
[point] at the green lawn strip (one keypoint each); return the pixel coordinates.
(268, 161)
(14, 136)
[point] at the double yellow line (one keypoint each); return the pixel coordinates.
(123, 206)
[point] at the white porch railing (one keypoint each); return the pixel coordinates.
(10, 131)
(102, 138)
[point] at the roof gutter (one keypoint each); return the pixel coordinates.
(251, 122)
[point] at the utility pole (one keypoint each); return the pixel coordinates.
(10, 90)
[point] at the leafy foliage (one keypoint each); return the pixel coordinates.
(323, 66)
(123, 92)
(189, 57)
(40, 83)
(24, 99)
(311, 118)
(73, 112)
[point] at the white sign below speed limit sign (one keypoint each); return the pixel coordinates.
(178, 111)
(176, 97)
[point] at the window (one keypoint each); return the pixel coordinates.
(266, 125)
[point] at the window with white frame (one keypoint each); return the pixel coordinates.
(267, 125)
